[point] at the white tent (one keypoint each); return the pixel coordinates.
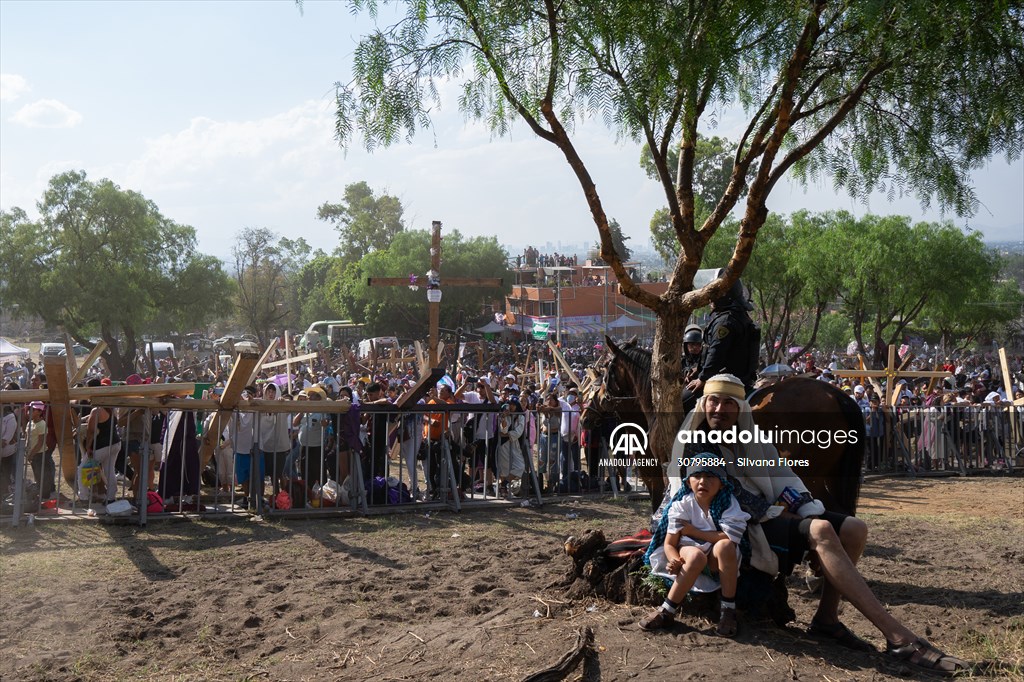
(492, 328)
(8, 351)
(625, 322)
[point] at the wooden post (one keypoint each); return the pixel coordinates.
(69, 350)
(434, 307)
(560, 361)
(1008, 387)
(288, 358)
(65, 422)
(91, 358)
(279, 363)
(271, 347)
(245, 364)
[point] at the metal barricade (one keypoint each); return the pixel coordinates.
(953, 438)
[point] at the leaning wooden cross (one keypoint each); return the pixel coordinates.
(432, 282)
(59, 396)
(892, 373)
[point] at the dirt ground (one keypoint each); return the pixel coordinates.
(472, 596)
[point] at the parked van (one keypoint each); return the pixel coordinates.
(161, 349)
(331, 333)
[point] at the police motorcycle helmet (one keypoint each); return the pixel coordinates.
(693, 334)
(736, 294)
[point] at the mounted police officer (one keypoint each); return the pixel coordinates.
(732, 343)
(693, 346)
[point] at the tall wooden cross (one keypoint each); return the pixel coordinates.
(432, 283)
(891, 373)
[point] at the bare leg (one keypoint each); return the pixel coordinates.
(723, 559)
(853, 535)
(843, 575)
(694, 562)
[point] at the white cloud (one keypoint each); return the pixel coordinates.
(47, 113)
(12, 86)
(256, 147)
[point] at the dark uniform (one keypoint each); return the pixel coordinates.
(692, 362)
(732, 343)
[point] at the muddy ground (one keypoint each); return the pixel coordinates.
(472, 596)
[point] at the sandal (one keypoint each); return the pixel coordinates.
(727, 623)
(922, 655)
(837, 633)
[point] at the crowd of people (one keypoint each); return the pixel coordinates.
(497, 426)
(535, 426)
(535, 417)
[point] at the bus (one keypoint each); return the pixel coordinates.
(334, 333)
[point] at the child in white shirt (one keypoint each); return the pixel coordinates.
(704, 531)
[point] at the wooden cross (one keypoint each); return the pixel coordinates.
(59, 396)
(245, 365)
(432, 282)
(560, 361)
(892, 372)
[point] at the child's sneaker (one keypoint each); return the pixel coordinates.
(658, 620)
(727, 623)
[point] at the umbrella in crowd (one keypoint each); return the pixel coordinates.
(777, 370)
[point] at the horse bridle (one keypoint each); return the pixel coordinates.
(604, 400)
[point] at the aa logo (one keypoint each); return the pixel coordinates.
(628, 440)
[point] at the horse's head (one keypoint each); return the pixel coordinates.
(622, 371)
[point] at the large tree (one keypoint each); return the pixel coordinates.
(891, 94)
(102, 260)
(262, 268)
(365, 222)
(713, 160)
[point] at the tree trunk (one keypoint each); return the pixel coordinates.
(666, 390)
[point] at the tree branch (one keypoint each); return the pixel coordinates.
(487, 51)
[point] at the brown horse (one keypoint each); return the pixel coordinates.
(832, 473)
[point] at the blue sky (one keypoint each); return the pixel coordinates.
(221, 113)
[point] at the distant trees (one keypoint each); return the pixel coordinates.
(883, 275)
(261, 271)
(365, 222)
(104, 261)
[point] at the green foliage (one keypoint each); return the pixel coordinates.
(834, 334)
(365, 223)
(877, 95)
(401, 312)
(655, 584)
(983, 307)
(618, 240)
(712, 166)
(103, 260)
(312, 288)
